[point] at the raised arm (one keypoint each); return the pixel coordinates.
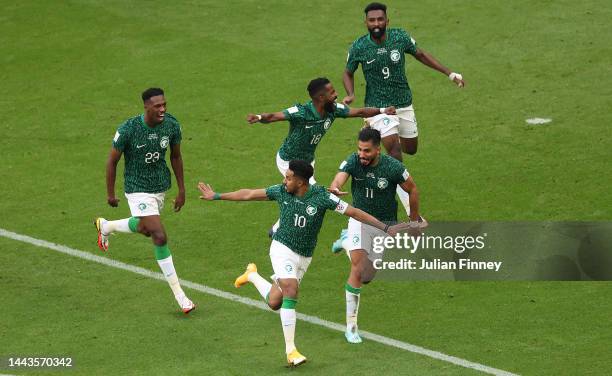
(348, 79)
(176, 160)
(111, 174)
(336, 185)
(427, 59)
(240, 195)
(367, 112)
(266, 117)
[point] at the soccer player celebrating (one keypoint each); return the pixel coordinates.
(381, 55)
(309, 122)
(144, 139)
(302, 209)
(375, 177)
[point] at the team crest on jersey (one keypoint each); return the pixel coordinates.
(382, 183)
(311, 210)
(395, 56)
(164, 142)
(327, 124)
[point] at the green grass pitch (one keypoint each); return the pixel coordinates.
(72, 71)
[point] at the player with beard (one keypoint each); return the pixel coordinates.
(309, 122)
(374, 180)
(381, 54)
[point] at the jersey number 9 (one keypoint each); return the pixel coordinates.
(385, 72)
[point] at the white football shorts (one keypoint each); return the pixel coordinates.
(361, 236)
(145, 204)
(403, 123)
(286, 263)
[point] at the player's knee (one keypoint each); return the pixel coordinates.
(290, 291)
(410, 149)
(159, 237)
(365, 282)
(396, 153)
(275, 306)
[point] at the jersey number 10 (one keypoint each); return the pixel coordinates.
(299, 221)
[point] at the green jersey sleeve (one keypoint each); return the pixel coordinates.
(410, 45)
(341, 110)
(121, 139)
(177, 135)
(399, 173)
(352, 62)
(348, 165)
(294, 114)
(274, 192)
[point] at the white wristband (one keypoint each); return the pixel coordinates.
(454, 75)
(258, 117)
(382, 110)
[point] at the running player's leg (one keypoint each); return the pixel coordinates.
(289, 268)
(152, 225)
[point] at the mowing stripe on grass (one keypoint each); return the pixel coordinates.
(254, 303)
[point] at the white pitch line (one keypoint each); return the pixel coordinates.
(254, 303)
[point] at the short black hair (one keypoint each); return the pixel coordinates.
(301, 169)
(316, 85)
(370, 134)
(375, 6)
(151, 92)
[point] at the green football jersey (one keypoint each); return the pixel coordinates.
(144, 149)
(301, 217)
(373, 188)
(306, 129)
(384, 68)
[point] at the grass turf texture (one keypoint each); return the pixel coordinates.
(73, 71)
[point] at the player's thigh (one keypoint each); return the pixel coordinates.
(364, 237)
(407, 123)
(392, 145)
(284, 261)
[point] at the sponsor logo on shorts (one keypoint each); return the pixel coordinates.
(164, 142)
(356, 239)
(382, 183)
(142, 206)
(288, 268)
(386, 121)
(311, 210)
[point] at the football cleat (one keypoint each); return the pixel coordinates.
(187, 305)
(295, 359)
(102, 237)
(352, 336)
(337, 246)
(244, 278)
